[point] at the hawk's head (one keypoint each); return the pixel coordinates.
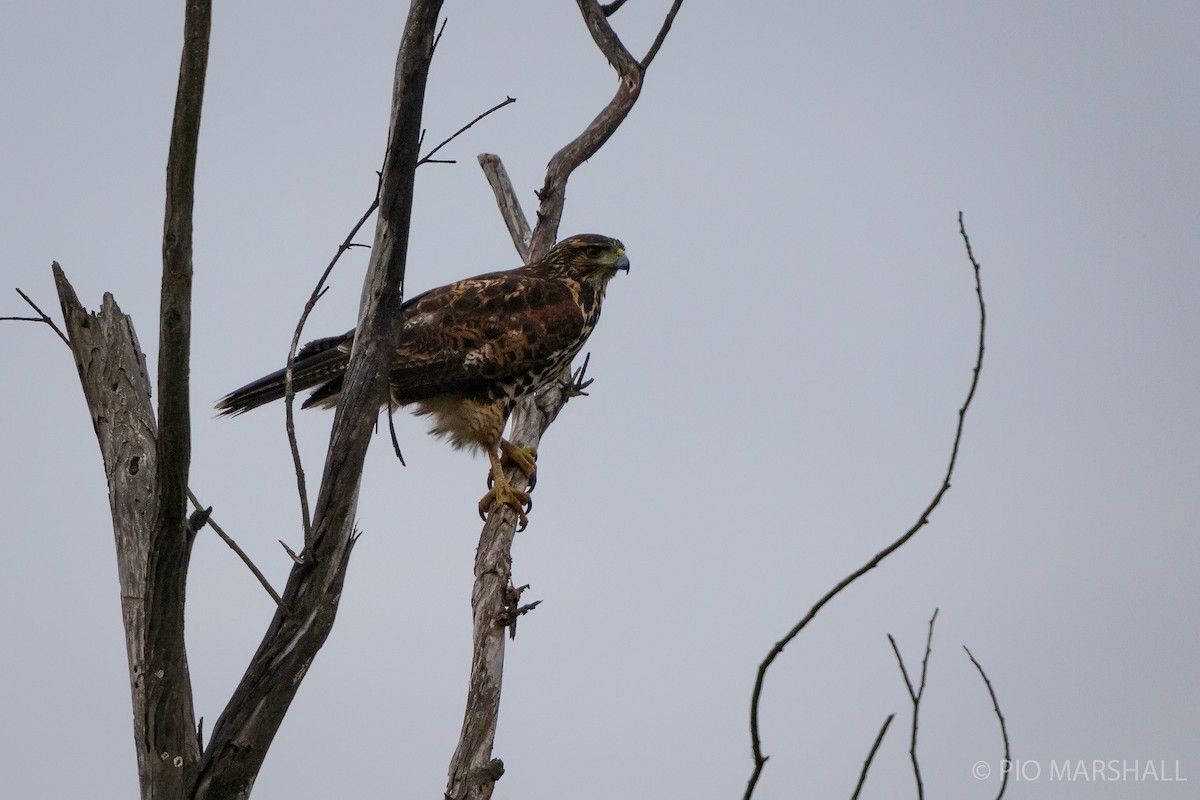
(588, 258)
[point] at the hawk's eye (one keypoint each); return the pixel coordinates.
(594, 250)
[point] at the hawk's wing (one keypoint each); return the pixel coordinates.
(474, 332)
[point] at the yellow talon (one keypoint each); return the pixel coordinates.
(502, 492)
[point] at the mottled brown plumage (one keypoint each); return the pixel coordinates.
(467, 352)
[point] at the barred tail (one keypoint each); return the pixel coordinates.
(320, 363)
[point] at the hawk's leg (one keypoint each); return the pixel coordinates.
(502, 492)
(523, 458)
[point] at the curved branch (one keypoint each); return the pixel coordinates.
(755, 741)
(999, 716)
(862, 777)
(552, 195)
(473, 772)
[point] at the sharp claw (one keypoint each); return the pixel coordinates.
(532, 481)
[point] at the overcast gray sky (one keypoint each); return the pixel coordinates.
(777, 381)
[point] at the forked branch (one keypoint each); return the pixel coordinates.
(760, 759)
(472, 772)
(915, 694)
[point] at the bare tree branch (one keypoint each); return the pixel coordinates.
(472, 774)
(205, 518)
(760, 760)
(915, 696)
(506, 199)
(999, 716)
(289, 391)
(42, 317)
(428, 157)
(587, 144)
(862, 778)
(662, 35)
(250, 720)
(116, 384)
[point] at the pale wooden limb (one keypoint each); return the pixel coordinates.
(116, 385)
(506, 199)
(473, 771)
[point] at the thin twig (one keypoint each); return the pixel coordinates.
(999, 716)
(392, 431)
(234, 546)
(862, 778)
(428, 157)
(42, 317)
(432, 50)
(755, 741)
(915, 696)
(296, 559)
(289, 390)
(662, 35)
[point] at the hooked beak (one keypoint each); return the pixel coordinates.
(622, 263)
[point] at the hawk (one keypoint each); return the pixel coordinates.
(467, 352)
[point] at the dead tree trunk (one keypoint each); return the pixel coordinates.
(146, 459)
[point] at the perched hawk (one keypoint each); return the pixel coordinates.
(467, 352)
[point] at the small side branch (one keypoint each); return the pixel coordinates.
(41, 317)
(509, 205)
(203, 516)
(915, 695)
(862, 778)
(429, 157)
(289, 389)
(760, 760)
(999, 716)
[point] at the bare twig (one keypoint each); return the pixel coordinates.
(428, 157)
(755, 741)
(862, 778)
(999, 716)
(662, 35)
(915, 696)
(611, 8)
(289, 390)
(42, 317)
(296, 559)
(392, 431)
(212, 523)
(436, 40)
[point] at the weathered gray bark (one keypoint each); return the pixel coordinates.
(473, 771)
(147, 460)
(116, 385)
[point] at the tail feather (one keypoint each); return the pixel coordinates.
(319, 363)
